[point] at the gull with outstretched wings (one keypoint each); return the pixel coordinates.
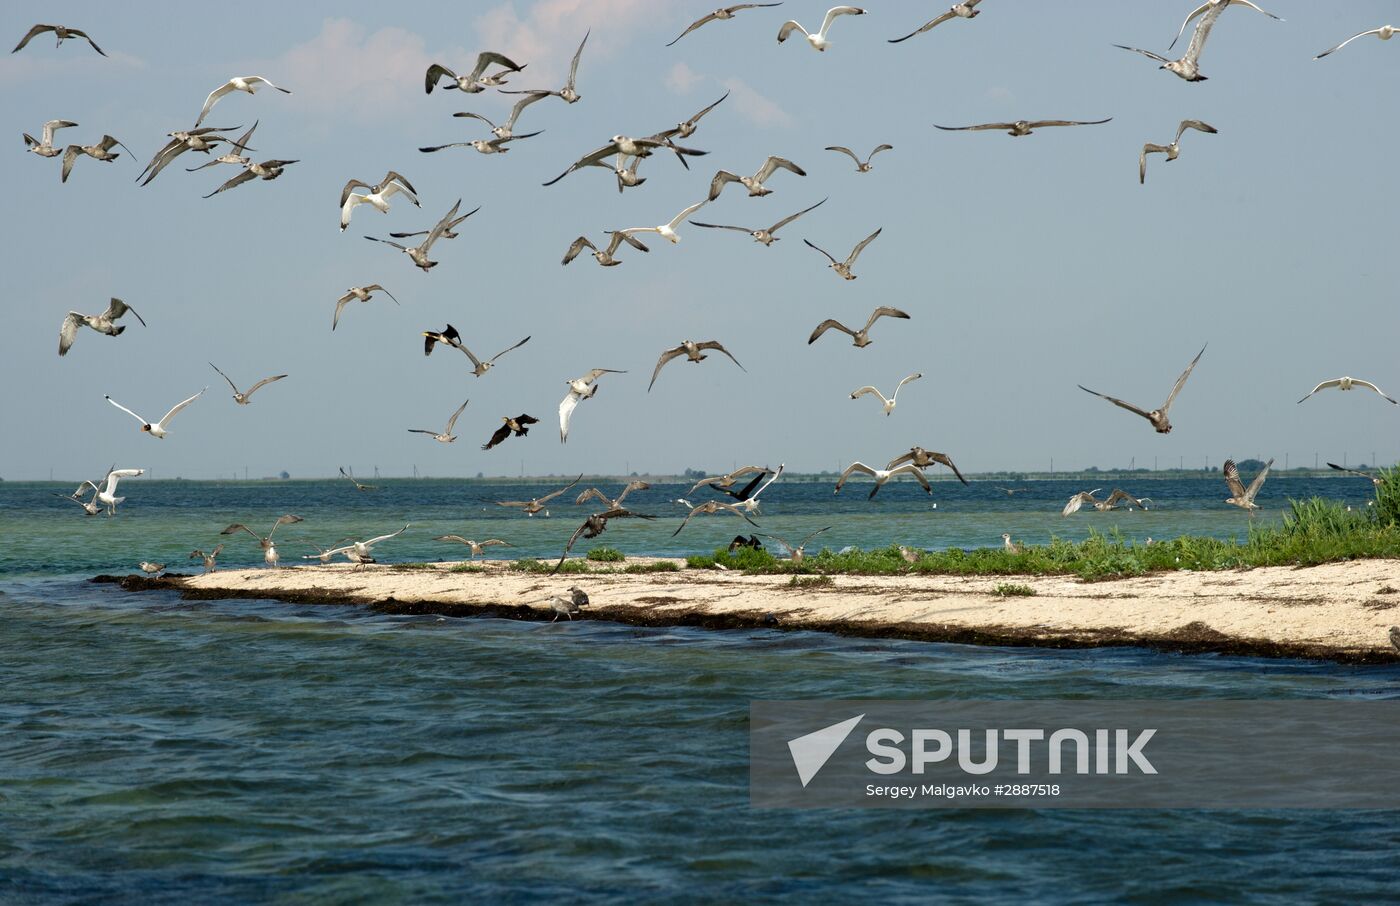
(1157, 417)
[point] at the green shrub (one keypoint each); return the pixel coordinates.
(1012, 590)
(660, 566)
(811, 582)
(606, 555)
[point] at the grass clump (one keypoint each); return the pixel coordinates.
(411, 567)
(822, 581)
(531, 565)
(660, 566)
(745, 558)
(1013, 590)
(606, 555)
(467, 568)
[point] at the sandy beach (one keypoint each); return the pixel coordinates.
(1338, 611)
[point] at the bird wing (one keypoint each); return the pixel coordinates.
(213, 98)
(856, 466)
(938, 20)
(287, 519)
(820, 249)
(237, 526)
(715, 344)
(746, 491)
(1181, 381)
(339, 307)
(451, 422)
(457, 538)
(68, 331)
(721, 179)
(1232, 479)
(774, 477)
(835, 11)
(676, 221)
(1370, 386)
(629, 488)
(1146, 53)
(828, 324)
(1258, 481)
(666, 356)
(867, 390)
(524, 102)
(1074, 504)
(577, 246)
(630, 240)
(588, 159)
(1323, 386)
(591, 494)
(907, 457)
(694, 25)
(1198, 125)
(174, 149)
(251, 80)
(36, 30)
(225, 377)
(790, 549)
(375, 286)
(126, 410)
(812, 535)
(918, 473)
(435, 72)
(548, 497)
(860, 247)
(790, 218)
(345, 195)
(788, 28)
(1202, 32)
(489, 58)
(879, 148)
(1040, 124)
(947, 460)
(981, 127)
(500, 434)
(504, 351)
(1187, 21)
(1333, 465)
(238, 180)
(1325, 52)
(912, 377)
(884, 311)
(573, 67)
(180, 405)
(566, 411)
(1147, 149)
(773, 164)
(70, 154)
(1117, 402)
(696, 118)
(373, 541)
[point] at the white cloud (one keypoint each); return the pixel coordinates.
(546, 36)
(681, 79)
(757, 109)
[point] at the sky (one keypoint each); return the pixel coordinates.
(1029, 265)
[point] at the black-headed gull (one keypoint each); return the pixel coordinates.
(157, 429)
(1158, 417)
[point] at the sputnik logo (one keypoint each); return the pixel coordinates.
(810, 753)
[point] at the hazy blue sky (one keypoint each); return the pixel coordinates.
(1029, 264)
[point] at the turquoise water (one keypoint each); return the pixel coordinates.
(169, 751)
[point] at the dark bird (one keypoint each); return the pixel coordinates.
(595, 525)
(925, 458)
(520, 425)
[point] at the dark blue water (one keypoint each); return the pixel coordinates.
(169, 751)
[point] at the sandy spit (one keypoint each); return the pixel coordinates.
(1337, 611)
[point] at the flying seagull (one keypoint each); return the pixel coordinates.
(350, 476)
(580, 389)
(250, 84)
(595, 525)
(722, 482)
(748, 497)
(1205, 6)
(1239, 495)
(241, 397)
(537, 504)
(603, 256)
(446, 437)
(862, 166)
(210, 559)
(1158, 417)
(888, 403)
(108, 495)
(450, 337)
(361, 553)
(362, 293)
(761, 235)
(1078, 500)
(483, 146)
(618, 144)
(668, 230)
(1020, 127)
(709, 508)
(504, 130)
(1188, 67)
(159, 428)
(883, 475)
(1385, 33)
(964, 10)
(1121, 496)
(755, 182)
(103, 323)
(612, 503)
(472, 83)
(687, 128)
(270, 556)
(266, 170)
(90, 507)
(378, 195)
(925, 458)
(520, 426)
(61, 32)
(722, 14)
(476, 546)
(859, 338)
(100, 151)
(568, 93)
(45, 148)
(234, 155)
(1174, 149)
(796, 552)
(818, 40)
(1010, 492)
(1366, 475)
(843, 268)
(201, 139)
(1346, 383)
(419, 254)
(693, 352)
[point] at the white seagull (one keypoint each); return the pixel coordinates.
(818, 40)
(242, 397)
(1385, 33)
(883, 475)
(888, 403)
(157, 429)
(362, 552)
(362, 293)
(1347, 383)
(103, 323)
(249, 84)
(1078, 500)
(446, 437)
(107, 496)
(377, 196)
(667, 231)
(580, 389)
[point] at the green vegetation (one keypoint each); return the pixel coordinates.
(811, 582)
(467, 568)
(606, 555)
(660, 566)
(531, 565)
(1012, 590)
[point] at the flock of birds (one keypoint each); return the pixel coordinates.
(623, 156)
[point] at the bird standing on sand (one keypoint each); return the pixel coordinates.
(151, 569)
(1239, 495)
(693, 352)
(563, 606)
(1009, 545)
(103, 323)
(1395, 637)
(1157, 417)
(270, 556)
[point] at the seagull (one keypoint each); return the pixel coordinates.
(419, 254)
(1188, 67)
(818, 40)
(378, 195)
(270, 556)
(250, 84)
(1174, 149)
(61, 32)
(476, 546)
(447, 231)
(201, 139)
(151, 569)
(45, 147)
(843, 268)
(103, 323)
(761, 235)
(595, 525)
(472, 83)
(362, 293)
(100, 151)
(723, 482)
(240, 397)
(1205, 6)
(1009, 545)
(568, 93)
(89, 506)
(668, 230)
(963, 10)
(1011, 491)
(234, 154)
(1239, 495)
(450, 336)
(692, 351)
(925, 458)
(747, 497)
(610, 502)
(883, 475)
(210, 559)
(859, 338)
(1078, 500)
(1372, 478)
(520, 425)
(537, 504)
(157, 429)
(618, 144)
(361, 553)
(604, 256)
(107, 496)
(723, 14)
(267, 170)
(709, 508)
(358, 486)
(796, 552)
(1020, 127)
(909, 554)
(562, 606)
(1158, 417)
(755, 182)
(862, 166)
(687, 128)
(1385, 33)
(504, 129)
(446, 437)
(1347, 383)
(484, 146)
(580, 389)
(890, 402)
(1103, 506)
